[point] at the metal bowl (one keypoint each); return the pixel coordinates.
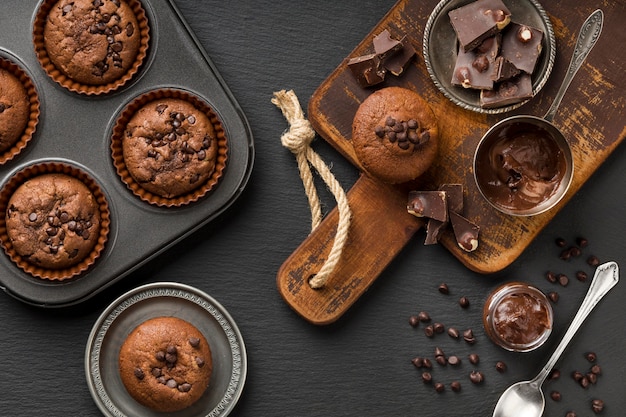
(523, 165)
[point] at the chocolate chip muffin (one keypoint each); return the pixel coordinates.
(93, 42)
(165, 364)
(14, 109)
(170, 147)
(53, 221)
(395, 135)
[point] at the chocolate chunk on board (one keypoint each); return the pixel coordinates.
(474, 69)
(431, 204)
(367, 70)
(508, 92)
(397, 63)
(385, 45)
(465, 232)
(478, 20)
(454, 199)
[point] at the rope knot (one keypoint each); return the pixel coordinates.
(299, 136)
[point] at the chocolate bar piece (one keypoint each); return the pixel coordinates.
(385, 45)
(474, 69)
(522, 45)
(367, 69)
(508, 92)
(476, 21)
(397, 63)
(454, 199)
(504, 70)
(431, 204)
(465, 232)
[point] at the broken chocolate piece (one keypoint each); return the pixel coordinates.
(367, 70)
(465, 232)
(431, 204)
(504, 70)
(385, 45)
(508, 92)
(522, 45)
(454, 199)
(474, 69)
(398, 62)
(476, 21)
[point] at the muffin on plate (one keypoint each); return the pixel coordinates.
(395, 135)
(165, 364)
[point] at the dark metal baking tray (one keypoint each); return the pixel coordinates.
(76, 129)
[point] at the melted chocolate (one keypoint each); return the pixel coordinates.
(521, 168)
(520, 319)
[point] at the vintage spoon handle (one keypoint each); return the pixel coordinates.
(587, 37)
(605, 278)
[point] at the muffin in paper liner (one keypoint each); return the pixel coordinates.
(33, 108)
(120, 133)
(80, 266)
(89, 89)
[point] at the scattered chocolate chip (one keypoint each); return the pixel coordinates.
(593, 260)
(597, 406)
(464, 302)
(595, 369)
(417, 362)
(454, 360)
(455, 386)
(414, 321)
(439, 387)
(565, 255)
(438, 328)
(560, 242)
(581, 276)
(591, 377)
(468, 336)
(500, 366)
(427, 363)
(441, 360)
(424, 316)
(591, 356)
(443, 288)
(476, 377)
(555, 395)
(474, 358)
(563, 280)
(553, 296)
(439, 352)
(582, 242)
(577, 376)
(429, 331)
(453, 332)
(584, 381)
(551, 276)
(427, 377)
(575, 251)
(570, 414)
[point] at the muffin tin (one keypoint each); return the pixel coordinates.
(76, 129)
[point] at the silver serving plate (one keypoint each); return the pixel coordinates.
(440, 51)
(157, 300)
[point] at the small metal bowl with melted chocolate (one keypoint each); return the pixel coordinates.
(523, 165)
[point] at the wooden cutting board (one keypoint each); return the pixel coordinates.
(592, 117)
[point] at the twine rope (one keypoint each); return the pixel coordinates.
(298, 140)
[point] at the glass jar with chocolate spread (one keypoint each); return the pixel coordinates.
(517, 317)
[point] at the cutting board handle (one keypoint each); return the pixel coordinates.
(380, 228)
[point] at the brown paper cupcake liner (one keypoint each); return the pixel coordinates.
(105, 220)
(118, 155)
(33, 97)
(90, 90)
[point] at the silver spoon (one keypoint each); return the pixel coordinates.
(525, 398)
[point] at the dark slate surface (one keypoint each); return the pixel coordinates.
(359, 366)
